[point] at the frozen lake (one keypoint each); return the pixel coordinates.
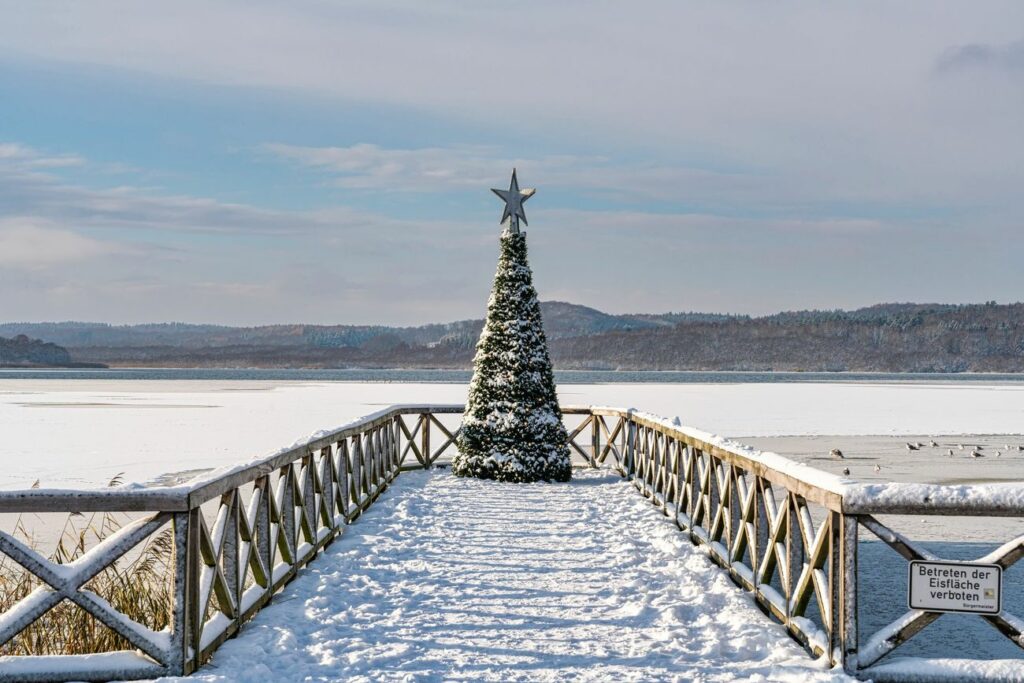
(82, 432)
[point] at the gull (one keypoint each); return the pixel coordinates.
(950, 452)
(846, 471)
(998, 454)
(977, 454)
(1020, 448)
(878, 468)
(912, 447)
(960, 446)
(933, 444)
(836, 453)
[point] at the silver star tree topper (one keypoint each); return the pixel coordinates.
(514, 199)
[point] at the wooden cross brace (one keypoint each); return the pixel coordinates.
(702, 501)
(64, 582)
(576, 432)
(451, 436)
(411, 440)
(744, 538)
(817, 542)
(775, 556)
(610, 437)
(912, 622)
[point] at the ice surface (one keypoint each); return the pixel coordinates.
(80, 433)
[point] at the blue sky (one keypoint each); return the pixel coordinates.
(257, 162)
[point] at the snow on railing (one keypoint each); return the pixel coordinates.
(270, 517)
(755, 514)
(784, 531)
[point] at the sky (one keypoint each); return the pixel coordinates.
(330, 162)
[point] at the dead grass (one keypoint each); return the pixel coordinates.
(137, 585)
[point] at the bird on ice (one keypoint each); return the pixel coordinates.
(960, 446)
(998, 453)
(836, 453)
(977, 454)
(846, 471)
(878, 468)
(933, 444)
(912, 446)
(950, 452)
(979, 447)
(1020, 448)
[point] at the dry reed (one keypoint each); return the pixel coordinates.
(137, 585)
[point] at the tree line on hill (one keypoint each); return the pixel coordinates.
(24, 352)
(887, 337)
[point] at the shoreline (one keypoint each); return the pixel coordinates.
(459, 377)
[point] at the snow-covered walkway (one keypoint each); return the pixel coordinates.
(455, 579)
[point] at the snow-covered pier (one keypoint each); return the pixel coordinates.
(785, 533)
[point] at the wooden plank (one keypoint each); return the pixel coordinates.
(894, 540)
(50, 500)
(892, 636)
(179, 593)
(848, 591)
(193, 618)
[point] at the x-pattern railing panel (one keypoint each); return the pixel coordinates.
(237, 553)
(67, 581)
(912, 622)
(719, 503)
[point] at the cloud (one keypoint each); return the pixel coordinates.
(1007, 58)
(810, 103)
(465, 167)
(131, 254)
(69, 251)
(739, 156)
(19, 155)
(366, 166)
(28, 188)
(33, 243)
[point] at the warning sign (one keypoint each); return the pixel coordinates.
(937, 586)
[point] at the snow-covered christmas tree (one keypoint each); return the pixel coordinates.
(512, 429)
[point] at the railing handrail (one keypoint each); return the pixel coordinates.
(187, 495)
(831, 491)
(840, 494)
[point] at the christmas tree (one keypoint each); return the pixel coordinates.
(512, 428)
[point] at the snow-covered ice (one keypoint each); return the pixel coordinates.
(80, 433)
(460, 579)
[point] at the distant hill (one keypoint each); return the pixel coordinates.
(560, 320)
(23, 352)
(883, 338)
(900, 337)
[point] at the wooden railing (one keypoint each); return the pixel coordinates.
(242, 533)
(269, 519)
(755, 513)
